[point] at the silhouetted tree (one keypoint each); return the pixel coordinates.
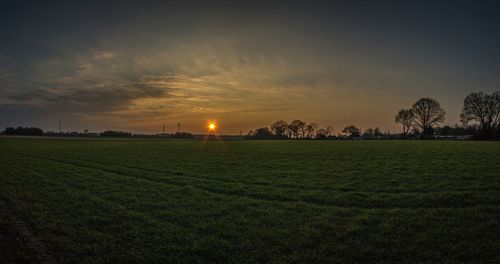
(279, 128)
(311, 130)
(405, 118)
(445, 131)
(303, 131)
(10, 131)
(297, 128)
(415, 131)
(322, 134)
(427, 113)
(110, 133)
(351, 131)
(24, 131)
(32, 131)
(372, 132)
(484, 109)
(261, 133)
(368, 132)
(289, 131)
(329, 131)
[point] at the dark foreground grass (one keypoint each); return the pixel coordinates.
(13, 247)
(257, 201)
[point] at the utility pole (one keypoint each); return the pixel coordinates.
(163, 129)
(178, 127)
(59, 126)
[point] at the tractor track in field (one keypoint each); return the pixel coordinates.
(210, 190)
(121, 207)
(33, 243)
(261, 197)
(183, 176)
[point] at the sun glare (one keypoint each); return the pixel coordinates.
(211, 126)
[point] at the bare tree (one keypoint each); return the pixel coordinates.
(428, 112)
(322, 134)
(405, 118)
(279, 128)
(263, 133)
(289, 131)
(311, 130)
(303, 131)
(329, 131)
(351, 131)
(368, 132)
(372, 132)
(298, 128)
(484, 109)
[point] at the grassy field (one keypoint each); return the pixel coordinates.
(136, 201)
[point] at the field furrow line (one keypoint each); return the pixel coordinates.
(120, 207)
(255, 196)
(176, 175)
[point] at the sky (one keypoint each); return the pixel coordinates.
(136, 65)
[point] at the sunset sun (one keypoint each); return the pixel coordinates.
(211, 126)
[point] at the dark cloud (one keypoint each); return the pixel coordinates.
(88, 101)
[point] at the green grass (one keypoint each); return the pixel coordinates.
(136, 201)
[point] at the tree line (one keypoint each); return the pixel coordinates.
(35, 131)
(23, 131)
(296, 129)
(480, 116)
